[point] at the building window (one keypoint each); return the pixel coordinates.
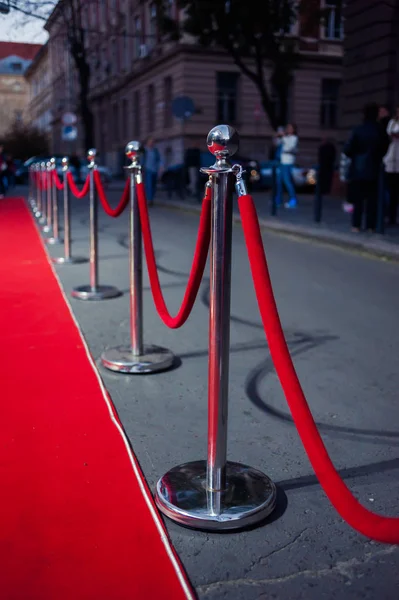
(227, 91)
(153, 25)
(137, 37)
(282, 107)
(169, 8)
(16, 66)
(103, 12)
(125, 51)
(333, 23)
(168, 91)
(329, 103)
(137, 115)
(150, 108)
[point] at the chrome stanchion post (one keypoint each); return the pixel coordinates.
(67, 259)
(42, 172)
(55, 238)
(218, 494)
(139, 357)
(94, 291)
(49, 222)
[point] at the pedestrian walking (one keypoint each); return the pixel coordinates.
(366, 148)
(152, 167)
(289, 149)
(192, 164)
(391, 163)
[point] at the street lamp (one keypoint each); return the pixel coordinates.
(5, 7)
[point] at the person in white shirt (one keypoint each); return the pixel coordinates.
(391, 162)
(289, 148)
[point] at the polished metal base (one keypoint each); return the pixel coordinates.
(70, 260)
(182, 496)
(54, 241)
(101, 292)
(123, 360)
(46, 229)
(42, 220)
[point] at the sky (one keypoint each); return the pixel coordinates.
(17, 28)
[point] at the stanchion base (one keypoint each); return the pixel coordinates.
(101, 292)
(46, 229)
(123, 360)
(54, 241)
(70, 260)
(182, 496)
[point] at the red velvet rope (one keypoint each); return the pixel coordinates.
(197, 268)
(75, 191)
(382, 529)
(42, 182)
(58, 184)
(112, 212)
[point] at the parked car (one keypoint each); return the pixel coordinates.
(251, 167)
(22, 173)
(305, 179)
(175, 177)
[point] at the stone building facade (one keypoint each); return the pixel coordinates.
(39, 108)
(15, 58)
(135, 77)
(371, 62)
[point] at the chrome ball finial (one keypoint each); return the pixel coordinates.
(65, 163)
(43, 165)
(223, 141)
(91, 157)
(49, 165)
(133, 150)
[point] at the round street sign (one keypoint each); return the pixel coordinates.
(69, 118)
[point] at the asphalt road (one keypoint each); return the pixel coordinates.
(340, 315)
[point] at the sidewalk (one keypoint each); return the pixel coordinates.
(334, 228)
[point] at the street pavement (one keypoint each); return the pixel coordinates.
(334, 227)
(339, 311)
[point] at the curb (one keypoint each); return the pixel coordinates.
(377, 247)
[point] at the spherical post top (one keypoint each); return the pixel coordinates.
(91, 154)
(223, 141)
(65, 163)
(52, 162)
(43, 165)
(133, 150)
(49, 165)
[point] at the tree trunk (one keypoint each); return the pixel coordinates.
(85, 111)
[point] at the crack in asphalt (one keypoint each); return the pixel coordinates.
(342, 568)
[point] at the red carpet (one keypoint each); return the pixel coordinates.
(77, 521)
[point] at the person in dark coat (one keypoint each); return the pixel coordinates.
(327, 156)
(366, 148)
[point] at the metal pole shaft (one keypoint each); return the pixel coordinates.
(55, 212)
(93, 234)
(30, 195)
(38, 193)
(136, 272)
(49, 201)
(43, 195)
(67, 216)
(219, 333)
